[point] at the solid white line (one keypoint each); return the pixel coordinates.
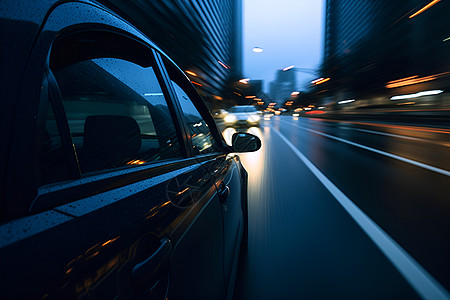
(389, 134)
(404, 159)
(400, 136)
(420, 280)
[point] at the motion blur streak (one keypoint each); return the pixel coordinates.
(412, 162)
(415, 95)
(315, 112)
(224, 65)
(413, 272)
(416, 128)
(320, 81)
(424, 8)
(410, 82)
(393, 135)
(346, 101)
(414, 80)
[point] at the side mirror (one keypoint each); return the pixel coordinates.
(245, 142)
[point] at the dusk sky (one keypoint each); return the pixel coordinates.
(289, 31)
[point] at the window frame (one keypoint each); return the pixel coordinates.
(41, 198)
(199, 105)
(156, 68)
(20, 201)
(179, 151)
(85, 185)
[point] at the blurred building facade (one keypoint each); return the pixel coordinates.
(283, 85)
(203, 37)
(375, 48)
(252, 93)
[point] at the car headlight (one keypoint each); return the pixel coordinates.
(253, 118)
(230, 118)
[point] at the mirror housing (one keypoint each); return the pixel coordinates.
(245, 142)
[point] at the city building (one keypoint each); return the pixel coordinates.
(283, 85)
(371, 44)
(253, 93)
(203, 37)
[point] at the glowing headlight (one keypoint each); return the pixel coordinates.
(253, 118)
(230, 118)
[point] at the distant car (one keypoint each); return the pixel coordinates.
(115, 182)
(267, 115)
(243, 115)
(219, 114)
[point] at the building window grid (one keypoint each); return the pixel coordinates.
(214, 35)
(355, 15)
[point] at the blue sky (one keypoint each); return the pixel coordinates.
(289, 31)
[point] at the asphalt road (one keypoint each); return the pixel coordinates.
(347, 210)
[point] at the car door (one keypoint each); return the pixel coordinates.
(109, 193)
(228, 175)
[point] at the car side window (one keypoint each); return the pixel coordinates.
(115, 108)
(202, 139)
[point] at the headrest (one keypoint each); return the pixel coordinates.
(109, 141)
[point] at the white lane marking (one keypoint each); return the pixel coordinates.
(390, 134)
(404, 159)
(421, 281)
(401, 136)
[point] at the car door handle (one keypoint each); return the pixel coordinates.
(224, 192)
(147, 273)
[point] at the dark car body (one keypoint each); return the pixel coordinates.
(115, 181)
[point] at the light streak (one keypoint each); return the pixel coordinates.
(346, 101)
(424, 8)
(224, 65)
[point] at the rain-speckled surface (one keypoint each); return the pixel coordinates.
(25, 227)
(87, 205)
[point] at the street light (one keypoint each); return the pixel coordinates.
(320, 81)
(258, 49)
(304, 70)
(346, 101)
(288, 68)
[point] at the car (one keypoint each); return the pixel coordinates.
(115, 181)
(242, 115)
(219, 114)
(268, 115)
